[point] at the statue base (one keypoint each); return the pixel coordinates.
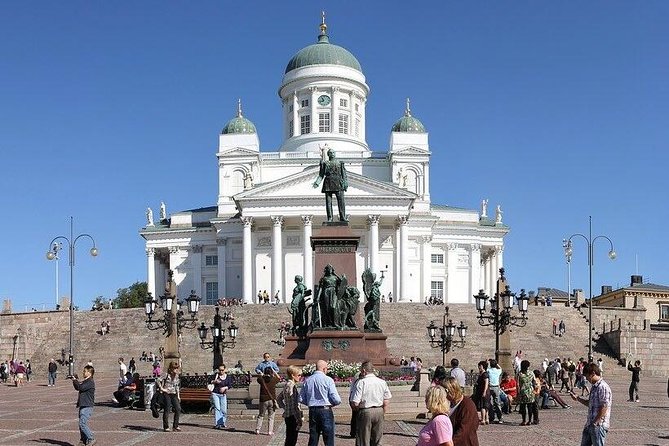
(344, 345)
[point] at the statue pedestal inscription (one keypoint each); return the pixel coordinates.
(347, 345)
(335, 244)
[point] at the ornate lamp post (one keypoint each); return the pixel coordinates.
(174, 318)
(568, 251)
(218, 341)
(446, 339)
(52, 254)
(501, 304)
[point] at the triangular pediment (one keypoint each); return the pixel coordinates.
(411, 150)
(237, 151)
(301, 185)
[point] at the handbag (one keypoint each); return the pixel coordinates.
(210, 387)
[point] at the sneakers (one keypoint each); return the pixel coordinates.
(636, 400)
(167, 429)
(91, 442)
(177, 429)
(114, 400)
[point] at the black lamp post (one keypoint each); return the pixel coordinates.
(501, 304)
(52, 254)
(568, 251)
(446, 339)
(219, 342)
(171, 321)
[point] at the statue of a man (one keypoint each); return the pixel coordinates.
(498, 214)
(248, 181)
(149, 217)
(163, 211)
(484, 208)
(325, 301)
(298, 307)
(333, 174)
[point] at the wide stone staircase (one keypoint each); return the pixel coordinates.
(404, 324)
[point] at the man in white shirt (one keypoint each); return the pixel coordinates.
(457, 372)
(122, 369)
(370, 399)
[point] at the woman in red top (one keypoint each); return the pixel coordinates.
(509, 387)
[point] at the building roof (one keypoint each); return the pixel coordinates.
(408, 123)
(239, 124)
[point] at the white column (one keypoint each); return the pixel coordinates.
(296, 115)
(196, 262)
(500, 258)
(404, 258)
(221, 245)
(307, 252)
(451, 268)
(175, 264)
(426, 267)
(474, 271)
(397, 275)
(373, 222)
(314, 111)
(277, 252)
(426, 181)
(247, 271)
(496, 267)
(151, 271)
(334, 115)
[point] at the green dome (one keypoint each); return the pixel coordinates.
(408, 123)
(323, 53)
(239, 124)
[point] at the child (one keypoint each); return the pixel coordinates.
(85, 403)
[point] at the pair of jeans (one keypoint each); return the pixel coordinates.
(171, 401)
(292, 431)
(593, 435)
(634, 389)
(85, 432)
(495, 406)
(220, 402)
(321, 421)
(52, 378)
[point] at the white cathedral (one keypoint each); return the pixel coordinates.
(257, 236)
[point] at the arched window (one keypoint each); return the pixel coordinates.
(236, 182)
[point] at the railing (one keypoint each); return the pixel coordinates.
(200, 381)
(316, 155)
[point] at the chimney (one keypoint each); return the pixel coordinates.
(636, 280)
(606, 289)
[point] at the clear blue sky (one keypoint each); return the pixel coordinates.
(555, 110)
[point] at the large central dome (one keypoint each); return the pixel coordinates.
(323, 53)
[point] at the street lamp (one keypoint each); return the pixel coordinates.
(52, 254)
(501, 304)
(55, 249)
(568, 251)
(218, 341)
(565, 245)
(172, 320)
(446, 339)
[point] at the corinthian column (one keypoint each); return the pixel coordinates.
(247, 272)
(307, 253)
(403, 221)
(373, 221)
(151, 271)
(474, 271)
(277, 250)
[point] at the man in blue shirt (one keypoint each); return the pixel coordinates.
(266, 362)
(319, 394)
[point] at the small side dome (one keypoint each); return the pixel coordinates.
(239, 124)
(408, 123)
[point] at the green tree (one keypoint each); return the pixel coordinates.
(132, 297)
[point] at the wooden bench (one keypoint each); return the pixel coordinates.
(195, 395)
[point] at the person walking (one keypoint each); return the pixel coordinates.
(439, 430)
(267, 405)
(289, 399)
(85, 403)
(463, 415)
(634, 385)
(599, 407)
(53, 370)
(219, 397)
(170, 386)
(457, 372)
(526, 395)
(320, 394)
(370, 398)
(132, 365)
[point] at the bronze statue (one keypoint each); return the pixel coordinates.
(371, 288)
(333, 174)
(347, 307)
(298, 307)
(325, 301)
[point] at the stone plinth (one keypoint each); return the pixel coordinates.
(345, 345)
(335, 244)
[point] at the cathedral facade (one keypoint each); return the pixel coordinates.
(256, 237)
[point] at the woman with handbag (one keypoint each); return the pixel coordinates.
(219, 396)
(268, 381)
(170, 386)
(289, 400)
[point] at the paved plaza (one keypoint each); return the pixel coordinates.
(37, 414)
